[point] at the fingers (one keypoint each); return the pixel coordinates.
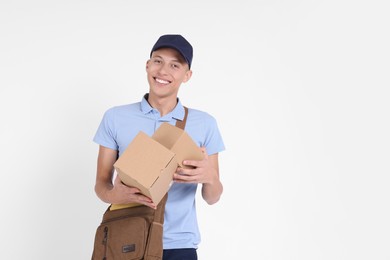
(185, 175)
(197, 171)
(118, 183)
(141, 198)
(126, 194)
(146, 201)
(197, 164)
(183, 178)
(191, 163)
(150, 205)
(188, 171)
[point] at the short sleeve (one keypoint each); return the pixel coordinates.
(213, 141)
(105, 135)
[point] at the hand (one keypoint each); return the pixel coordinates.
(203, 171)
(123, 194)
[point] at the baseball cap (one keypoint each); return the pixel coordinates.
(177, 42)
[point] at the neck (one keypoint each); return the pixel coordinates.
(163, 105)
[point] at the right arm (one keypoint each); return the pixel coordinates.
(117, 192)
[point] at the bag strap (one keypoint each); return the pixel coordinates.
(159, 213)
(182, 124)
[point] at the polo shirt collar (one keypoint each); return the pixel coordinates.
(177, 113)
(145, 106)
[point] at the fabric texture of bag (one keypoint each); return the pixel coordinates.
(132, 233)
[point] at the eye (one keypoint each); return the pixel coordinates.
(175, 66)
(157, 61)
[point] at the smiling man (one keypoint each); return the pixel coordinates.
(168, 67)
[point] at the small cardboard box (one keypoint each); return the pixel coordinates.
(179, 142)
(148, 163)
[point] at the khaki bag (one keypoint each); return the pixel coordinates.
(132, 233)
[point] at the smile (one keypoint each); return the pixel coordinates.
(161, 81)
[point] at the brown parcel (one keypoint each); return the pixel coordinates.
(179, 142)
(148, 163)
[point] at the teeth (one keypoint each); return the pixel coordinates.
(162, 81)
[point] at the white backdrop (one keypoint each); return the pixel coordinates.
(300, 90)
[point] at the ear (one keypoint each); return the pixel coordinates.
(147, 64)
(187, 76)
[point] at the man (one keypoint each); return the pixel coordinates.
(168, 67)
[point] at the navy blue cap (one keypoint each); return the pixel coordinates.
(177, 42)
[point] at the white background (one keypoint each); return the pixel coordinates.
(300, 90)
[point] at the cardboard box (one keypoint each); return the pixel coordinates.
(179, 142)
(148, 163)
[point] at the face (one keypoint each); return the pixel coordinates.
(166, 70)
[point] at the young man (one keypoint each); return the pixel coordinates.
(168, 67)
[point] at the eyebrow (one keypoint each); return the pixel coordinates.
(175, 59)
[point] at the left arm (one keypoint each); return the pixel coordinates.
(205, 172)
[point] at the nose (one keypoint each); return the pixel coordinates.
(163, 68)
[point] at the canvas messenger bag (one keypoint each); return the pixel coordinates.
(133, 232)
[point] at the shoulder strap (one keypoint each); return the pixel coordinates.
(182, 124)
(159, 214)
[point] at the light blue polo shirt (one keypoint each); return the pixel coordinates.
(122, 123)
